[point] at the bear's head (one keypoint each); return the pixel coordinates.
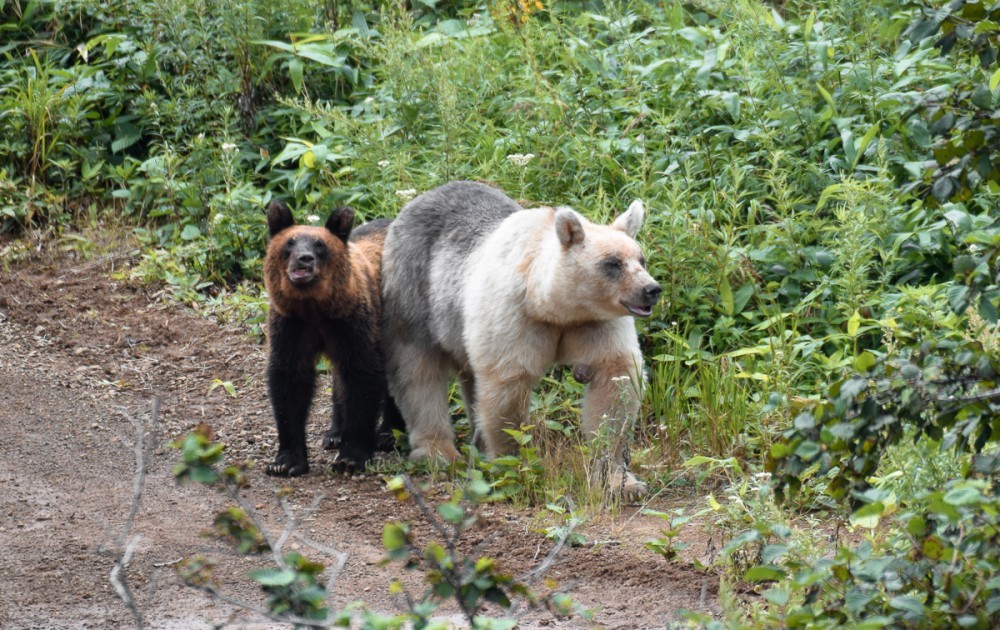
(305, 262)
(606, 265)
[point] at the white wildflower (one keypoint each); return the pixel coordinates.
(312, 218)
(228, 147)
(383, 163)
(218, 218)
(407, 194)
(521, 160)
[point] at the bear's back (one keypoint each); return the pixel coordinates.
(462, 212)
(426, 250)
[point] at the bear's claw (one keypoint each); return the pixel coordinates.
(386, 442)
(437, 450)
(350, 459)
(281, 467)
(624, 483)
(332, 440)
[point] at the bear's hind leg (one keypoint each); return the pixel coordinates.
(392, 421)
(418, 381)
(467, 383)
(501, 404)
(363, 392)
(333, 437)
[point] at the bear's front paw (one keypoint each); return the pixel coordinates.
(287, 465)
(633, 489)
(332, 440)
(623, 485)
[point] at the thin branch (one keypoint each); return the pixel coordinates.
(120, 584)
(451, 576)
(428, 513)
(990, 396)
(144, 444)
(144, 441)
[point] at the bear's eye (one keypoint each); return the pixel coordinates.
(612, 266)
(319, 247)
(642, 261)
(287, 249)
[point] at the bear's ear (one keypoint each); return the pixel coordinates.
(340, 222)
(279, 217)
(631, 220)
(568, 227)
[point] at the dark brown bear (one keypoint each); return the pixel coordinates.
(323, 285)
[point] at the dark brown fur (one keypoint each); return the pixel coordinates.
(323, 285)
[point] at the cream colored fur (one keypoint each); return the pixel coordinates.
(552, 307)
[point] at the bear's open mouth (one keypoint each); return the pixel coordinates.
(301, 275)
(638, 311)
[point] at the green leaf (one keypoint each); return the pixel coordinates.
(853, 324)
(393, 537)
(909, 604)
(451, 512)
(995, 81)
(359, 24)
(203, 474)
(777, 596)
(868, 516)
(273, 577)
(726, 295)
(864, 361)
(780, 450)
(295, 69)
(826, 97)
(863, 144)
(742, 296)
(807, 450)
(190, 232)
(917, 526)
(484, 564)
(963, 495)
(764, 573)
(772, 552)
(856, 600)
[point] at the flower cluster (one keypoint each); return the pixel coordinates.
(520, 160)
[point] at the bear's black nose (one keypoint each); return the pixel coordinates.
(651, 292)
(305, 258)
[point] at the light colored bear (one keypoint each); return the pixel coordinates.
(476, 285)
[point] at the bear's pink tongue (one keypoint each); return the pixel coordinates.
(641, 311)
(301, 274)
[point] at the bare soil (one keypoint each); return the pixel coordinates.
(82, 358)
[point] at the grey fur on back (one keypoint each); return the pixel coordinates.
(426, 251)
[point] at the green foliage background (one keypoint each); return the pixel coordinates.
(823, 180)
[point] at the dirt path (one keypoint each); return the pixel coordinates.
(81, 359)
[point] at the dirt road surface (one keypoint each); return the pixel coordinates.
(82, 358)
